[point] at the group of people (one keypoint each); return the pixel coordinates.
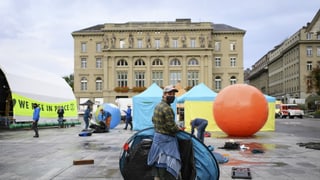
(36, 117)
(164, 155)
(104, 120)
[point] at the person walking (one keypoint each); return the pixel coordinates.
(128, 117)
(60, 113)
(87, 115)
(164, 153)
(35, 119)
(200, 125)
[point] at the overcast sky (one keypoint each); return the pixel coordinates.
(38, 32)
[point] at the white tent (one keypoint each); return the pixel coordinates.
(28, 85)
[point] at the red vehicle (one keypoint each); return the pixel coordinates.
(291, 111)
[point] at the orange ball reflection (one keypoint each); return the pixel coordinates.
(240, 110)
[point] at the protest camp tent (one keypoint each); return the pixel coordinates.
(144, 104)
(25, 85)
(133, 159)
(198, 103)
(270, 123)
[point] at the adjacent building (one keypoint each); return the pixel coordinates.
(285, 71)
(115, 60)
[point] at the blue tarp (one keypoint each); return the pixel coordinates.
(270, 98)
(198, 93)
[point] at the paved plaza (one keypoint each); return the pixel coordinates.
(52, 155)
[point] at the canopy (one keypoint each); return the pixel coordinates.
(88, 102)
(144, 104)
(198, 103)
(28, 85)
(199, 93)
(270, 123)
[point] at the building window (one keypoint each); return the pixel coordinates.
(217, 61)
(193, 78)
(232, 61)
(84, 84)
(140, 79)
(98, 47)
(192, 43)
(98, 63)
(122, 62)
(99, 84)
(309, 36)
(217, 83)
(140, 43)
(175, 77)
(122, 79)
(175, 62)
(309, 51)
(217, 46)
(193, 62)
(157, 77)
(318, 36)
(157, 62)
(122, 43)
(157, 43)
(318, 51)
(83, 47)
(175, 43)
(139, 62)
(309, 66)
(233, 80)
(83, 63)
(232, 46)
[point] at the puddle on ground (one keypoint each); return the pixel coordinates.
(237, 162)
(256, 149)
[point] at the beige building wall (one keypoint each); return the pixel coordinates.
(290, 64)
(181, 51)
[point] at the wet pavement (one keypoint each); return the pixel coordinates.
(52, 155)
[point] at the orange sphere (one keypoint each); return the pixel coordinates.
(240, 110)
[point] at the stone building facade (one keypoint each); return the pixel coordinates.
(115, 60)
(289, 64)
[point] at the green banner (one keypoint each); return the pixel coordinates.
(22, 106)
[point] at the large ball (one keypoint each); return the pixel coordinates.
(115, 113)
(240, 110)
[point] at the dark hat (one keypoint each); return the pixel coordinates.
(169, 88)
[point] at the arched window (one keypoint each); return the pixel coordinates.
(139, 62)
(233, 80)
(175, 62)
(122, 62)
(99, 84)
(84, 84)
(193, 62)
(217, 83)
(157, 62)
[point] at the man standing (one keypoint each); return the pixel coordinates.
(201, 125)
(87, 115)
(128, 117)
(35, 118)
(164, 154)
(60, 113)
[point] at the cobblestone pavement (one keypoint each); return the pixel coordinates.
(51, 156)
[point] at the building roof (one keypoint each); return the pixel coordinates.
(225, 27)
(167, 26)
